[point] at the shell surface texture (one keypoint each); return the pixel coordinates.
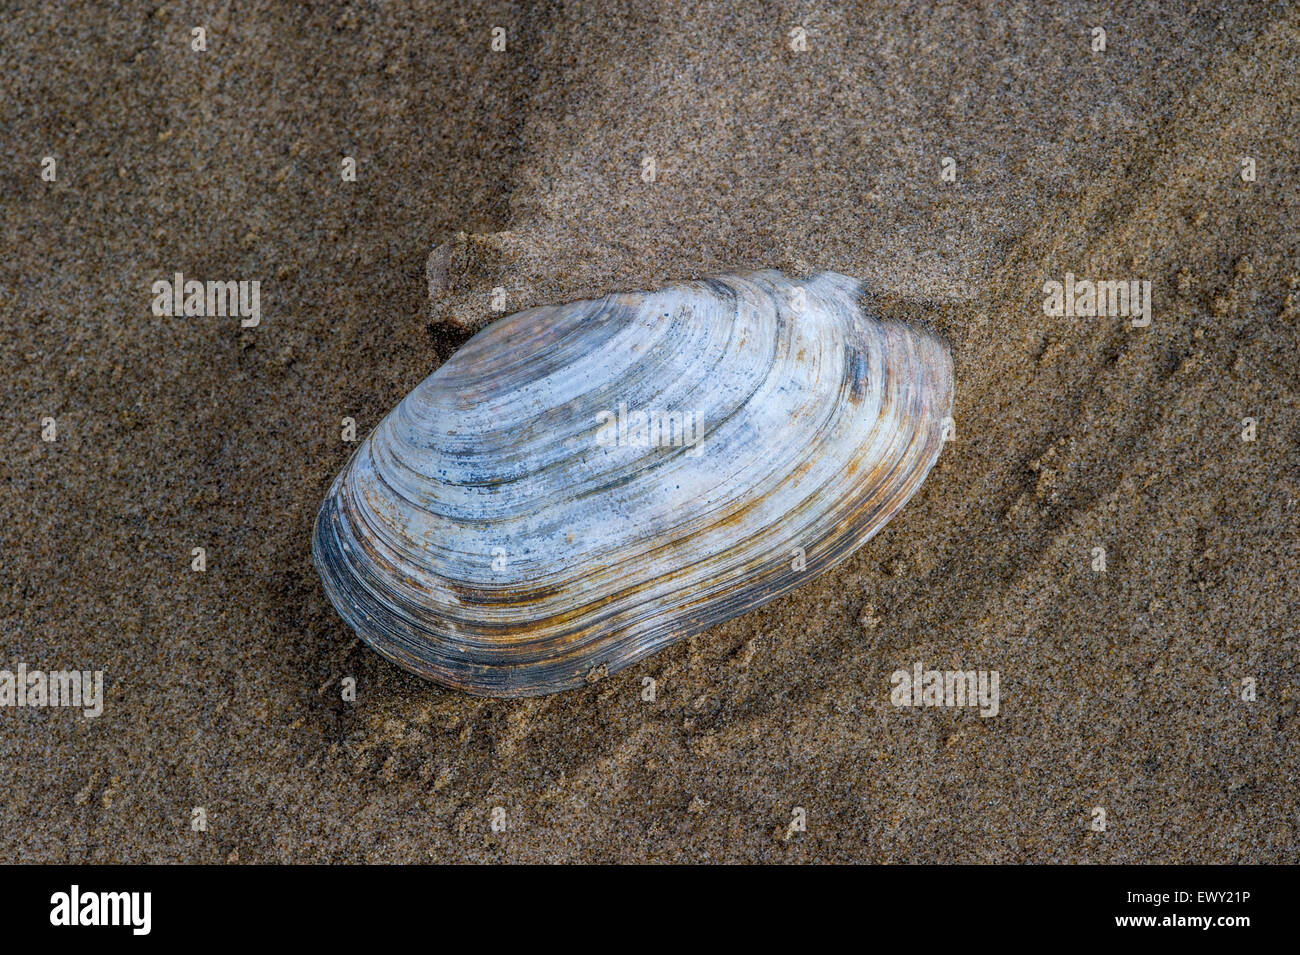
(582, 485)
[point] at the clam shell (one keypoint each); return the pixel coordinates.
(510, 529)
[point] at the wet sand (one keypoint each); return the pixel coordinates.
(1120, 689)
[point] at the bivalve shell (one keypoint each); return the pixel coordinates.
(582, 485)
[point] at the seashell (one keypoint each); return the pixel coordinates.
(582, 485)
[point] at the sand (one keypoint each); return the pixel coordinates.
(1121, 689)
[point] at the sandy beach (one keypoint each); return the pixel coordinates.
(955, 157)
